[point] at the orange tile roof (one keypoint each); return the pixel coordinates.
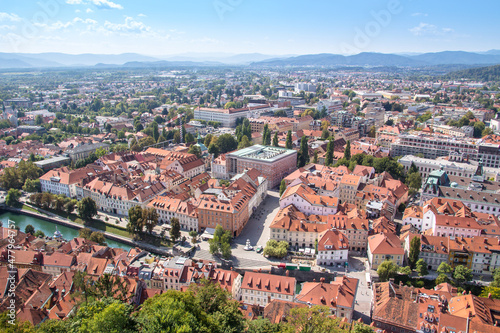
(269, 283)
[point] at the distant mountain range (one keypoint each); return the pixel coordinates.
(382, 59)
(484, 74)
(129, 60)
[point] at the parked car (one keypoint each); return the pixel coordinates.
(259, 249)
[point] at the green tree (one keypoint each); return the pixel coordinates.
(289, 143)
(303, 155)
(387, 270)
(226, 143)
(421, 267)
(347, 151)
(275, 140)
(244, 142)
(316, 319)
(315, 157)
(325, 134)
(496, 278)
(171, 312)
(405, 270)
(177, 137)
(413, 168)
(276, 249)
(84, 233)
(29, 229)
(195, 149)
(189, 138)
(70, 206)
(372, 132)
(54, 326)
(282, 187)
(414, 180)
(155, 131)
(32, 186)
(194, 235)
(263, 325)
(135, 221)
(103, 316)
(97, 237)
(442, 278)
(218, 304)
(361, 328)
(489, 291)
(146, 142)
(12, 197)
(8, 325)
(329, 153)
(462, 274)
(213, 149)
(444, 268)
(39, 233)
(87, 208)
(266, 135)
(175, 230)
(414, 251)
(38, 120)
(220, 243)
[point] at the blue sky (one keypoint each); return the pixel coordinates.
(165, 27)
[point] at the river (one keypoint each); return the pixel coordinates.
(48, 228)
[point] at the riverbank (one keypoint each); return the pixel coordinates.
(52, 218)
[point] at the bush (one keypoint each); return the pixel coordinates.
(79, 221)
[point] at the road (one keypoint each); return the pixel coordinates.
(358, 267)
(256, 230)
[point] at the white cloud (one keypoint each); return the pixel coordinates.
(130, 25)
(9, 17)
(89, 10)
(58, 25)
(426, 29)
(101, 4)
(7, 27)
(142, 15)
(419, 14)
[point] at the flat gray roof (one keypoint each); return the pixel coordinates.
(263, 153)
(51, 160)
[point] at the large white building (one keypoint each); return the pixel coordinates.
(434, 146)
(307, 201)
(331, 105)
(168, 208)
(118, 199)
(426, 165)
(63, 180)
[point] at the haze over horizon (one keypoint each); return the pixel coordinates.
(163, 28)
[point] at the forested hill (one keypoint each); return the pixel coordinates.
(483, 74)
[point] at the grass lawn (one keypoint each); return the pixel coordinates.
(28, 208)
(98, 224)
(103, 226)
